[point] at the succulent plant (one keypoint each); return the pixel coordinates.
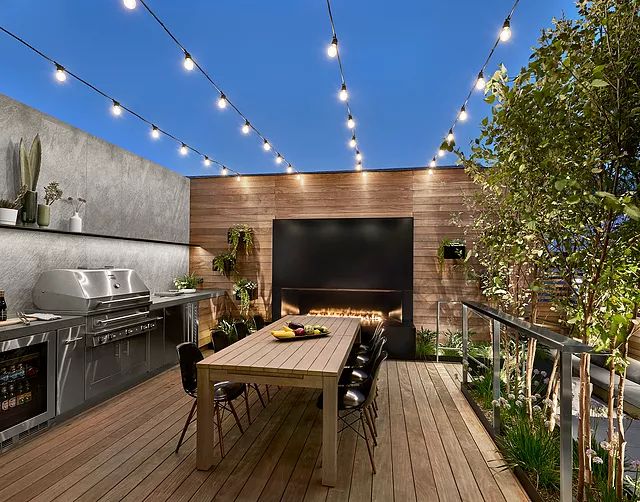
(15, 203)
(30, 163)
(52, 193)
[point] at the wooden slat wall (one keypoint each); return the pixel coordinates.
(432, 199)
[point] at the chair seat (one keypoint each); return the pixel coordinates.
(352, 398)
(227, 391)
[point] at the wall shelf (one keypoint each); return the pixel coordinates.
(86, 234)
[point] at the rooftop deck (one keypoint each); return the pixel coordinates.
(431, 446)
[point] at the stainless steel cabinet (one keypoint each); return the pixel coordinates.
(70, 368)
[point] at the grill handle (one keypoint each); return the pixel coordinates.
(121, 300)
(104, 322)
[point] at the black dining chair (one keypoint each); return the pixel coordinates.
(258, 320)
(223, 392)
(242, 331)
(220, 342)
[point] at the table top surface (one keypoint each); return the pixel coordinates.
(261, 353)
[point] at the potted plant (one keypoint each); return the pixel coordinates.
(451, 249)
(245, 291)
(225, 263)
(52, 193)
(29, 173)
(240, 236)
(9, 208)
(188, 283)
(75, 222)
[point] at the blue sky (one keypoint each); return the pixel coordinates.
(409, 65)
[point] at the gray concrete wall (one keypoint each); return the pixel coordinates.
(127, 196)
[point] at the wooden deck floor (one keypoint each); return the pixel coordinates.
(431, 447)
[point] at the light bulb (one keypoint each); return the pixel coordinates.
(130, 4)
(116, 109)
(183, 149)
(343, 94)
(222, 101)
(450, 136)
(359, 166)
(188, 62)
(358, 156)
(246, 127)
(463, 114)
(364, 174)
(441, 152)
(505, 33)
(299, 178)
(237, 177)
(224, 171)
(61, 75)
(481, 82)
(279, 159)
(266, 146)
(289, 169)
(430, 172)
(352, 142)
(206, 161)
(155, 132)
(332, 50)
(350, 122)
(432, 164)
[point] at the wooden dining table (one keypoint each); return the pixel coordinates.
(260, 358)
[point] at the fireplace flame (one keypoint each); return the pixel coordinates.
(367, 316)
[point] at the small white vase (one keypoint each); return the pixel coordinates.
(75, 223)
(8, 216)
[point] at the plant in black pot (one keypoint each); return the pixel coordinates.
(240, 236)
(225, 263)
(245, 291)
(451, 249)
(29, 174)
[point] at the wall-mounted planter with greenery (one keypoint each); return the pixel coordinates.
(225, 263)
(240, 237)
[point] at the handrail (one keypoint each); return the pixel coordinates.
(544, 335)
(565, 346)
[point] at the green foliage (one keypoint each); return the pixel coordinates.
(482, 389)
(52, 193)
(15, 203)
(30, 163)
(425, 343)
(448, 242)
(188, 281)
(244, 288)
(225, 263)
(229, 329)
(240, 235)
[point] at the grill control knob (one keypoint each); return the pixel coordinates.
(112, 336)
(102, 339)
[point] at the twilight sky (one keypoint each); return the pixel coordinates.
(408, 63)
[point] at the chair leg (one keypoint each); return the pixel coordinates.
(246, 402)
(366, 440)
(365, 412)
(216, 408)
(373, 421)
(255, 386)
(186, 424)
(235, 415)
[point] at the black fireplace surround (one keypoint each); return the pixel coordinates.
(350, 266)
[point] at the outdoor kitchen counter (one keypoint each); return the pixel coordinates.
(163, 302)
(19, 330)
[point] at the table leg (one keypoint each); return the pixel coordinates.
(204, 431)
(329, 431)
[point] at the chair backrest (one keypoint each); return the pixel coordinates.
(375, 354)
(259, 321)
(220, 340)
(188, 355)
(242, 330)
(373, 382)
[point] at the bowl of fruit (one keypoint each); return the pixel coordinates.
(297, 331)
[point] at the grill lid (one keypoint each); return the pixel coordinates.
(82, 291)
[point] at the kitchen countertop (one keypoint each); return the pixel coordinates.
(19, 330)
(162, 302)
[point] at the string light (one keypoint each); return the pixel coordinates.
(224, 171)
(505, 33)
(289, 169)
(432, 164)
(266, 145)
(352, 141)
(183, 149)
(343, 94)
(222, 101)
(350, 122)
(206, 161)
(299, 177)
(279, 159)
(440, 152)
(463, 114)
(480, 81)
(332, 50)
(450, 136)
(358, 156)
(359, 166)
(430, 172)
(155, 133)
(116, 109)
(246, 127)
(61, 75)
(130, 4)
(188, 62)
(238, 178)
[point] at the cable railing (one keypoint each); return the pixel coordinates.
(566, 347)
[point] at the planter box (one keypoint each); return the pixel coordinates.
(454, 251)
(252, 296)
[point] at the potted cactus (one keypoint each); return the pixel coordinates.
(52, 193)
(9, 208)
(29, 173)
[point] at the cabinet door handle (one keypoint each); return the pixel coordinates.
(73, 340)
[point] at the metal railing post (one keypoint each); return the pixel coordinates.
(465, 342)
(437, 331)
(495, 339)
(566, 425)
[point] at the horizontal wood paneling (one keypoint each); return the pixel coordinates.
(431, 199)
